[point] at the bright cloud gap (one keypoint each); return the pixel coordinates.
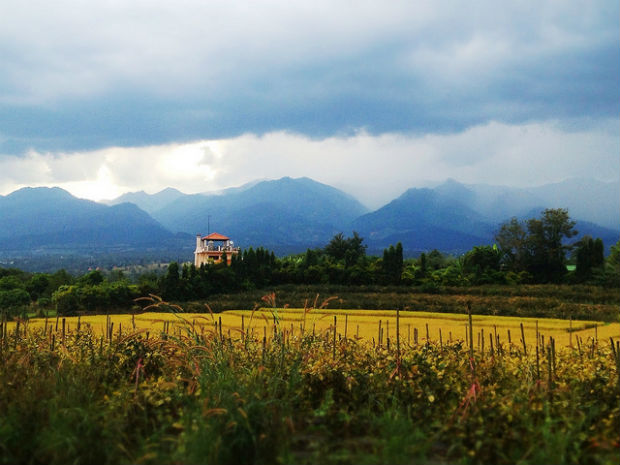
(373, 168)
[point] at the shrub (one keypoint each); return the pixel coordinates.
(14, 301)
(66, 300)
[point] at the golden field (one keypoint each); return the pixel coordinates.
(363, 324)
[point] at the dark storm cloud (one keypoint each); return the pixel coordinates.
(131, 76)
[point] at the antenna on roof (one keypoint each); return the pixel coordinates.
(208, 224)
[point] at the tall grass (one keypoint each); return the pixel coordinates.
(203, 396)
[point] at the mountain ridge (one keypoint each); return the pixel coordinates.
(49, 217)
(285, 215)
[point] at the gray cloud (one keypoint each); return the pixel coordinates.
(77, 77)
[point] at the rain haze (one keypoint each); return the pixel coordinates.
(370, 97)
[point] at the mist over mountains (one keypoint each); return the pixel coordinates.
(586, 199)
(290, 215)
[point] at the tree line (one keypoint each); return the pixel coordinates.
(530, 251)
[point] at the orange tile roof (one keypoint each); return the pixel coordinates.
(215, 237)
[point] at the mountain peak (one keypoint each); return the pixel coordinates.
(36, 192)
(451, 182)
(168, 190)
(149, 202)
(455, 190)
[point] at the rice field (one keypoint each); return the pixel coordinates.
(373, 326)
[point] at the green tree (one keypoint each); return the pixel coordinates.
(423, 266)
(483, 263)
(349, 250)
(545, 244)
(337, 247)
(613, 260)
(91, 278)
(10, 282)
(589, 256)
(57, 279)
(170, 283)
(147, 283)
(612, 265)
(392, 264)
(13, 301)
(435, 260)
(66, 299)
(511, 239)
(37, 285)
(538, 245)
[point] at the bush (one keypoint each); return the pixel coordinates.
(14, 301)
(66, 300)
(430, 287)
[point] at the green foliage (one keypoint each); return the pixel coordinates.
(10, 282)
(589, 256)
(349, 250)
(14, 301)
(541, 251)
(38, 285)
(170, 284)
(66, 300)
(547, 252)
(435, 260)
(423, 265)
(91, 278)
(482, 265)
(511, 239)
(69, 299)
(57, 279)
(392, 264)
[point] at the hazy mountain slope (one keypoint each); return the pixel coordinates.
(283, 200)
(422, 219)
(271, 226)
(493, 202)
(149, 202)
(586, 199)
(46, 217)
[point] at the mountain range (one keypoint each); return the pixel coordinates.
(50, 218)
(290, 215)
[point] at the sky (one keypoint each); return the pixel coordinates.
(106, 97)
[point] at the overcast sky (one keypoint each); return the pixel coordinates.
(104, 97)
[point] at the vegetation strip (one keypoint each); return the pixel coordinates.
(184, 392)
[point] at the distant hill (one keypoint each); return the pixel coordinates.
(148, 202)
(281, 214)
(43, 218)
(587, 199)
(454, 217)
(495, 203)
(424, 219)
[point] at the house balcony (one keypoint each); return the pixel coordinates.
(217, 249)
